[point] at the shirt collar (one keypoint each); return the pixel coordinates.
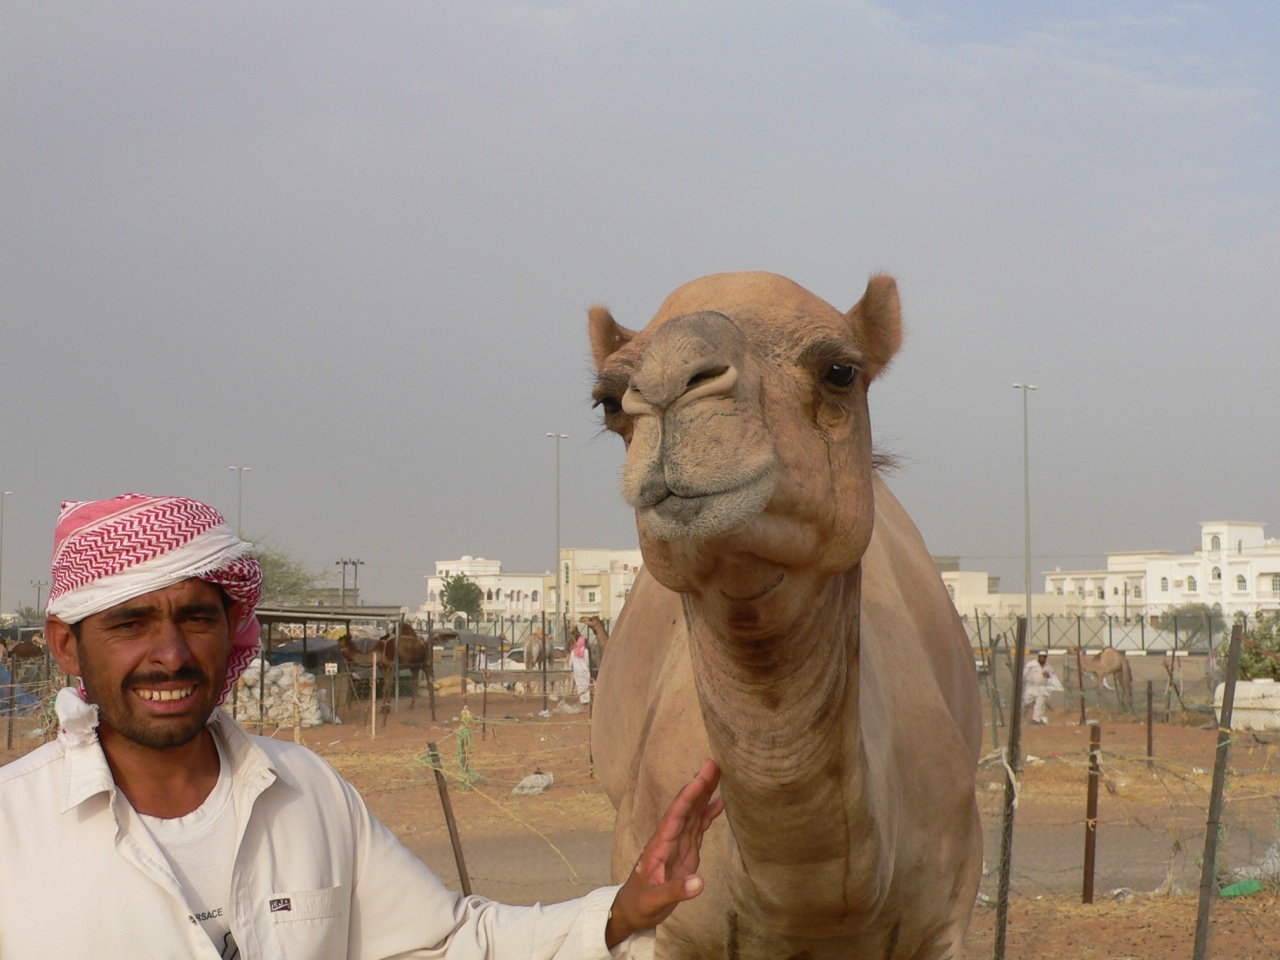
(87, 773)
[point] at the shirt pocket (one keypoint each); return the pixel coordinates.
(311, 923)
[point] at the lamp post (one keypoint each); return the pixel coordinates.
(240, 472)
(558, 437)
(1026, 502)
(3, 494)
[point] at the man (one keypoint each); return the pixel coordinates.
(156, 827)
(1038, 682)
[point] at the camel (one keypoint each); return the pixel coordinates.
(596, 648)
(539, 648)
(788, 622)
(1108, 664)
(409, 651)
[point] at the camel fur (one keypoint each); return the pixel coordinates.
(788, 622)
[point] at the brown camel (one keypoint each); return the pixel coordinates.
(596, 626)
(409, 651)
(789, 622)
(1109, 664)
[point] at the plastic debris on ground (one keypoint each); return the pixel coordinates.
(1242, 889)
(533, 784)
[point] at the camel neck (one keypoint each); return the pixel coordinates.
(777, 681)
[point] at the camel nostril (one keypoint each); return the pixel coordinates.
(704, 376)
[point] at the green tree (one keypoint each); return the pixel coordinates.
(1260, 657)
(29, 616)
(285, 578)
(460, 594)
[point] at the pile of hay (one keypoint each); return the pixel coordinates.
(289, 690)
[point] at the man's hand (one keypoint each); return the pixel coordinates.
(666, 872)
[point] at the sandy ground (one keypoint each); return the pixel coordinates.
(556, 845)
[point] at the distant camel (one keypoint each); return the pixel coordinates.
(411, 653)
(1110, 663)
(539, 648)
(596, 625)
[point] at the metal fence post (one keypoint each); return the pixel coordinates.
(1013, 762)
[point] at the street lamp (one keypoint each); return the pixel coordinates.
(558, 437)
(240, 471)
(1026, 497)
(3, 494)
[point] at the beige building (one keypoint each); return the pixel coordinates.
(594, 581)
(978, 592)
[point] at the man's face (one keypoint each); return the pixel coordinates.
(1043, 659)
(154, 665)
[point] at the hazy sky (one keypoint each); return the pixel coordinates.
(351, 246)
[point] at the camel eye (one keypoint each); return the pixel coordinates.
(841, 374)
(611, 405)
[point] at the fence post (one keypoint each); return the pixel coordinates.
(463, 877)
(993, 692)
(1151, 741)
(1013, 762)
(13, 695)
(431, 670)
(1091, 813)
(546, 655)
(1209, 865)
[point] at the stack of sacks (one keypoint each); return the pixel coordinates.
(279, 693)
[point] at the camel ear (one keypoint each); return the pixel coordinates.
(877, 323)
(607, 337)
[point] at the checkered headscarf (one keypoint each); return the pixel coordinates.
(108, 551)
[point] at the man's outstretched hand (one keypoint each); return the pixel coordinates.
(666, 872)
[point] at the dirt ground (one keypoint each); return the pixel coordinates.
(556, 845)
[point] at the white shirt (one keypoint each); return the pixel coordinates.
(200, 848)
(315, 875)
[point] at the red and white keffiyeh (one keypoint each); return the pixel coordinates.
(108, 551)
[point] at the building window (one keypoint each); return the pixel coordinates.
(566, 574)
(591, 596)
(1241, 583)
(1191, 584)
(1137, 591)
(1239, 546)
(1164, 584)
(1102, 593)
(489, 596)
(1215, 574)
(951, 592)
(1058, 591)
(534, 596)
(1115, 591)
(1275, 582)
(1215, 542)
(431, 597)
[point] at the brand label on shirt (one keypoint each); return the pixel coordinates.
(280, 904)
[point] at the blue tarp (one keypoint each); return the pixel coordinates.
(24, 703)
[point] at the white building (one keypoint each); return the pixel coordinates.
(504, 595)
(978, 592)
(592, 581)
(1235, 569)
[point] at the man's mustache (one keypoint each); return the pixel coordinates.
(190, 672)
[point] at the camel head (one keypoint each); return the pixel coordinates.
(743, 406)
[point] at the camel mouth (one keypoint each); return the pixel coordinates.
(679, 517)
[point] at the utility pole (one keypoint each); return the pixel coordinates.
(240, 472)
(559, 606)
(1026, 504)
(343, 592)
(3, 494)
(355, 578)
(39, 585)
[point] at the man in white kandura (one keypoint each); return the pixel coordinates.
(155, 827)
(1038, 682)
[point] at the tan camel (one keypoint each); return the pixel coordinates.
(789, 622)
(539, 648)
(1107, 665)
